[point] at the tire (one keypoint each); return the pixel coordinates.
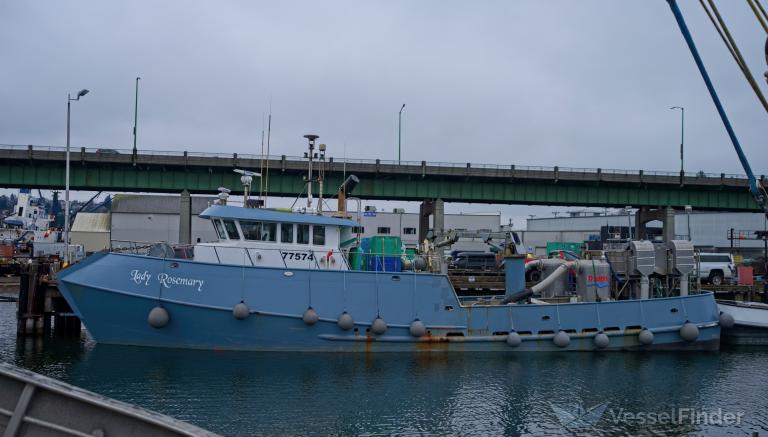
(716, 278)
(534, 276)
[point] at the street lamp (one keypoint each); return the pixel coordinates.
(135, 119)
(399, 131)
(682, 136)
(66, 190)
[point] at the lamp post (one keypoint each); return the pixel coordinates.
(682, 136)
(135, 119)
(628, 210)
(66, 176)
(399, 131)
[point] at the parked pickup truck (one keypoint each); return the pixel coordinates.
(716, 268)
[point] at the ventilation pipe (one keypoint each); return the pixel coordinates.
(644, 287)
(349, 184)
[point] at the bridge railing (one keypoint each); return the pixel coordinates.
(118, 152)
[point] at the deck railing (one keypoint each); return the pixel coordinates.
(317, 258)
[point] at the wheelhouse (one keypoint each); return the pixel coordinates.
(264, 237)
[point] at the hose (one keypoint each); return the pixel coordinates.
(561, 270)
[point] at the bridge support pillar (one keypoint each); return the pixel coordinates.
(666, 216)
(185, 218)
(436, 209)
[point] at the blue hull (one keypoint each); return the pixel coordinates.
(114, 293)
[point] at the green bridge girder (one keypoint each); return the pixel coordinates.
(456, 185)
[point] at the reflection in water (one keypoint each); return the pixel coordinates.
(247, 393)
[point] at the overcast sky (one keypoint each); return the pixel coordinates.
(575, 84)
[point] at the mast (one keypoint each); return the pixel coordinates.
(320, 178)
(311, 139)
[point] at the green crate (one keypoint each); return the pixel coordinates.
(386, 245)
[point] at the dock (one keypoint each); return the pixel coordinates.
(41, 308)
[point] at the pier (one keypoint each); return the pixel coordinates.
(41, 308)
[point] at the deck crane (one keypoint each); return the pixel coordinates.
(757, 190)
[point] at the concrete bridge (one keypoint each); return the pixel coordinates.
(173, 172)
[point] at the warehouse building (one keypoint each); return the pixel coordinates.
(147, 218)
(709, 231)
(91, 230)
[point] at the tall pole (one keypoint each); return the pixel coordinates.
(399, 132)
(66, 189)
(135, 118)
(682, 136)
(66, 176)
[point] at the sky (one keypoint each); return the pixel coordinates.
(574, 84)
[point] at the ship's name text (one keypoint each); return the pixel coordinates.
(166, 280)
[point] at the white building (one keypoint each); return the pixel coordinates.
(708, 230)
(147, 218)
(91, 230)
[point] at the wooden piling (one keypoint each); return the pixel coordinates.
(41, 309)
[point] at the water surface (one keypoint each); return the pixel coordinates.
(249, 393)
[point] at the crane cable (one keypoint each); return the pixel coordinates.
(760, 15)
(729, 42)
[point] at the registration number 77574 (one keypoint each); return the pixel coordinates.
(298, 256)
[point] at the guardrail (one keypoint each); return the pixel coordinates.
(183, 251)
(106, 152)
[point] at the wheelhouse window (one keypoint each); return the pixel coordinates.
(318, 235)
(259, 231)
(409, 231)
(302, 234)
(220, 231)
(286, 233)
(231, 229)
(358, 229)
(382, 230)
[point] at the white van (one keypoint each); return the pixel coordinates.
(716, 268)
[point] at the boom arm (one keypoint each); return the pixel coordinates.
(758, 192)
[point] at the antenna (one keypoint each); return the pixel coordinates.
(246, 179)
(269, 135)
(261, 161)
(223, 195)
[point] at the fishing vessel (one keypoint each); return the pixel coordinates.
(290, 280)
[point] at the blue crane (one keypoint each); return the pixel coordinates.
(757, 190)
